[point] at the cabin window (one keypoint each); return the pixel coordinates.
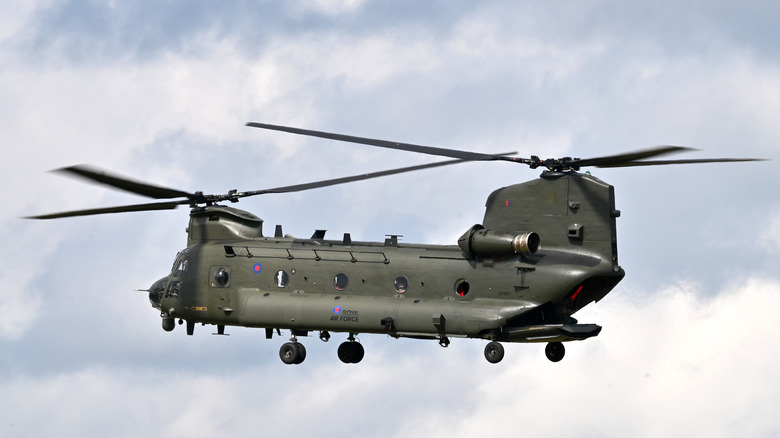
(220, 276)
(282, 278)
(401, 284)
(340, 281)
(462, 287)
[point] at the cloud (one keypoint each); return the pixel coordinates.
(331, 7)
(770, 238)
(675, 361)
(161, 94)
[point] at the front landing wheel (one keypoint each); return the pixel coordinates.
(292, 353)
(494, 352)
(301, 353)
(555, 351)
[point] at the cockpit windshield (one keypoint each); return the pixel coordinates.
(180, 265)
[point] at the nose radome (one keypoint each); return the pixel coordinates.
(156, 292)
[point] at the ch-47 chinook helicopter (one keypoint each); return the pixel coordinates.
(545, 249)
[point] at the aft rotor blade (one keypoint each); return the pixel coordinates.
(170, 205)
(348, 179)
(620, 159)
(123, 183)
(691, 161)
(452, 153)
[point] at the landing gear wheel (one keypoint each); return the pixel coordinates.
(494, 352)
(351, 352)
(301, 353)
(344, 352)
(358, 351)
(292, 353)
(555, 351)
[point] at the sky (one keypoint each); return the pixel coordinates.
(160, 91)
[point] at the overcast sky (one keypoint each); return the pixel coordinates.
(161, 91)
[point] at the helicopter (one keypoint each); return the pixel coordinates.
(545, 249)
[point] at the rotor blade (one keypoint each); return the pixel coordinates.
(619, 159)
(348, 179)
(169, 205)
(452, 153)
(691, 161)
(126, 184)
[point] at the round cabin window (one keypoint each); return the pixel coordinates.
(282, 278)
(221, 277)
(340, 281)
(401, 284)
(461, 287)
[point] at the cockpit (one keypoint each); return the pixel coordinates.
(170, 286)
(179, 271)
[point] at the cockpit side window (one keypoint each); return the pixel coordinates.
(174, 288)
(178, 272)
(180, 265)
(181, 269)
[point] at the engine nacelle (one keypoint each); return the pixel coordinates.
(479, 242)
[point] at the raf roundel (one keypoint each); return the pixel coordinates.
(257, 268)
(337, 310)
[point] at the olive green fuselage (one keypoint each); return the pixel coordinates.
(487, 286)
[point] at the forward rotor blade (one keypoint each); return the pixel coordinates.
(691, 161)
(126, 184)
(452, 153)
(348, 179)
(620, 159)
(170, 205)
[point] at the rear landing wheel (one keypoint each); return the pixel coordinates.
(351, 352)
(555, 351)
(494, 352)
(359, 352)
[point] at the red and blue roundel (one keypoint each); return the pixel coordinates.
(337, 310)
(257, 268)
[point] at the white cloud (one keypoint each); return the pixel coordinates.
(675, 362)
(492, 78)
(769, 235)
(14, 16)
(330, 8)
(19, 306)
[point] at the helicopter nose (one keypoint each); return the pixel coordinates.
(156, 292)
